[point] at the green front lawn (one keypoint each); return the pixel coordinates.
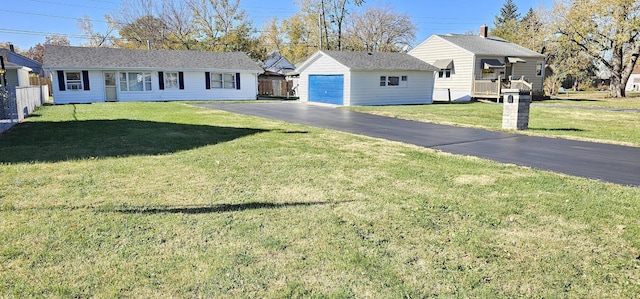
(170, 200)
(547, 118)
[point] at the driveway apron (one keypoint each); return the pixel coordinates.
(610, 163)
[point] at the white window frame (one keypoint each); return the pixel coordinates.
(144, 78)
(540, 71)
(444, 74)
(73, 84)
(394, 81)
(171, 80)
(223, 80)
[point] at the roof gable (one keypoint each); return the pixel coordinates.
(489, 46)
(377, 61)
(105, 58)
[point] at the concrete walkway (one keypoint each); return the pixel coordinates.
(606, 162)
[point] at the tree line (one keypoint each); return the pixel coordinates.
(578, 37)
(223, 25)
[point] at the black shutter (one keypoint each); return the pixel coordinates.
(161, 80)
(181, 79)
(207, 80)
(85, 80)
(61, 81)
(237, 80)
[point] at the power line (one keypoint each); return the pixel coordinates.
(69, 4)
(50, 16)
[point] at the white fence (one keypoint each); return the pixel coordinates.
(18, 102)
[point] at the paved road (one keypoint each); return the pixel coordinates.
(606, 162)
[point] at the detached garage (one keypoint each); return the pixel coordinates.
(362, 79)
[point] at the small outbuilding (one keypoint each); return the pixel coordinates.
(362, 79)
(88, 75)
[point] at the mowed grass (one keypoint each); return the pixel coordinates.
(555, 118)
(170, 200)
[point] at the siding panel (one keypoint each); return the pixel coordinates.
(461, 82)
(366, 89)
(194, 89)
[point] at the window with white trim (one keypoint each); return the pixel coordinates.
(74, 80)
(135, 81)
(444, 74)
(171, 81)
(539, 69)
(394, 81)
(223, 80)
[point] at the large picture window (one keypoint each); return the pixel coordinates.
(135, 81)
(225, 80)
(74, 80)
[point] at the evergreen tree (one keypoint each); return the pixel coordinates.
(506, 23)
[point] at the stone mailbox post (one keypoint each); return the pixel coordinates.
(515, 111)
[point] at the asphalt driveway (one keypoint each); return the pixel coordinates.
(606, 162)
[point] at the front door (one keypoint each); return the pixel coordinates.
(110, 86)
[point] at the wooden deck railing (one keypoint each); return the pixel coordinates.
(492, 89)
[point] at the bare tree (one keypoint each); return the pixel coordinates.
(380, 29)
(98, 39)
(178, 18)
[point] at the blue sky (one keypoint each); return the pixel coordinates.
(26, 22)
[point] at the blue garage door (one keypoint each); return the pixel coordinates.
(326, 89)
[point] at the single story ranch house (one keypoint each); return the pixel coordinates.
(361, 78)
(88, 75)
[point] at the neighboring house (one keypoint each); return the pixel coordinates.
(276, 79)
(87, 75)
(478, 66)
(276, 63)
(634, 80)
(10, 55)
(361, 78)
(16, 75)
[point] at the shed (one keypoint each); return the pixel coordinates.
(87, 75)
(362, 78)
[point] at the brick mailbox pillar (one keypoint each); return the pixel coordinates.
(515, 111)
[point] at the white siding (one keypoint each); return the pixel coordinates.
(366, 90)
(194, 89)
(323, 65)
(631, 84)
(23, 77)
(460, 84)
(93, 95)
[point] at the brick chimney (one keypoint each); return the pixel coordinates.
(484, 31)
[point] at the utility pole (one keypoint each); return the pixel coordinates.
(320, 29)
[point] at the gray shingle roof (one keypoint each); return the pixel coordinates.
(61, 57)
(492, 46)
(379, 61)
